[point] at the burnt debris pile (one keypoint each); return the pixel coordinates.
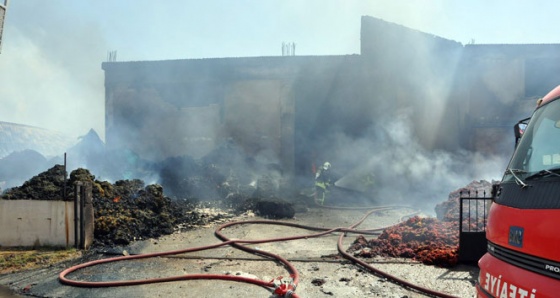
(128, 210)
(185, 177)
(432, 241)
(225, 170)
(228, 175)
(124, 211)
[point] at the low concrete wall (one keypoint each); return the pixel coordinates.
(36, 223)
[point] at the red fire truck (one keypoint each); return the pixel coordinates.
(523, 231)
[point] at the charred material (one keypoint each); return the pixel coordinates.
(124, 211)
(185, 177)
(275, 208)
(129, 210)
(224, 171)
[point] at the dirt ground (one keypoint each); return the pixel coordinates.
(322, 274)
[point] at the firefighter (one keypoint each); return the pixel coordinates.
(322, 183)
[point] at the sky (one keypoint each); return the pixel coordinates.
(50, 64)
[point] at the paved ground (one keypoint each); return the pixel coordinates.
(321, 274)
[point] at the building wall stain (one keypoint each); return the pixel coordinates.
(287, 108)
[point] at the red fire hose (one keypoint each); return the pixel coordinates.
(395, 279)
(280, 286)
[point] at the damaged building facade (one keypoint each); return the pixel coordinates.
(287, 110)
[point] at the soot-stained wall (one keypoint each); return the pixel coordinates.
(275, 108)
(290, 110)
(422, 74)
(504, 83)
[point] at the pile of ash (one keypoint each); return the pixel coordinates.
(128, 210)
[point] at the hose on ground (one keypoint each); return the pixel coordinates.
(280, 286)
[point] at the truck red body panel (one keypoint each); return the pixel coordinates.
(500, 279)
(541, 230)
(523, 228)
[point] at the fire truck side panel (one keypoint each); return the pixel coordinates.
(500, 279)
(540, 229)
(523, 228)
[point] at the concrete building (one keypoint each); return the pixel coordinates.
(288, 109)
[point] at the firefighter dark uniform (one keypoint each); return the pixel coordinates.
(322, 183)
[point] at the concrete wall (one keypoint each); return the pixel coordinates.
(504, 82)
(253, 115)
(418, 71)
(36, 223)
(162, 109)
(459, 91)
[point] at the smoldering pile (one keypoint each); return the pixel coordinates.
(432, 241)
(129, 210)
(124, 211)
(226, 174)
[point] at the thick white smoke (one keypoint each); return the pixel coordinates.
(403, 172)
(50, 73)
